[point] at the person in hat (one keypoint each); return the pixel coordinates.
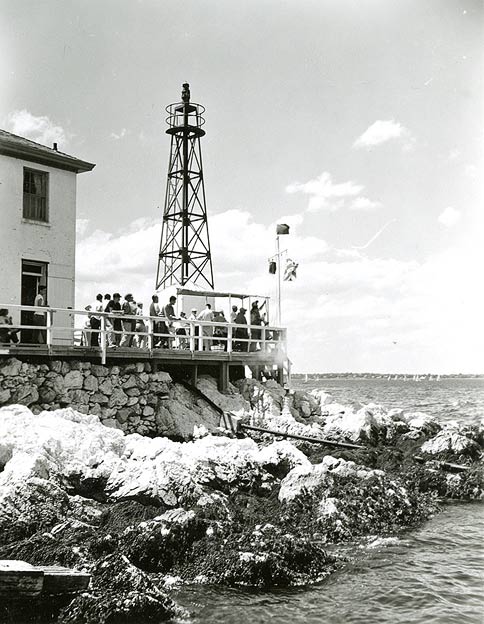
(113, 324)
(241, 333)
(170, 317)
(129, 309)
(255, 319)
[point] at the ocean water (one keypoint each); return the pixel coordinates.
(430, 575)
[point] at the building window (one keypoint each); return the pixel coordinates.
(35, 195)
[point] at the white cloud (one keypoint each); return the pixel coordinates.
(383, 131)
(324, 194)
(363, 203)
(449, 217)
(119, 135)
(345, 311)
(37, 128)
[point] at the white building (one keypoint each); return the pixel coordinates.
(38, 223)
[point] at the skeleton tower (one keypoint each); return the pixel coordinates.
(185, 246)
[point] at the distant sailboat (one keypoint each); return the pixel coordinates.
(437, 378)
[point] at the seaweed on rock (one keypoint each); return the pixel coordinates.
(120, 594)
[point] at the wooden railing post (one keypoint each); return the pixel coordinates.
(229, 339)
(192, 336)
(263, 340)
(150, 329)
(49, 321)
(103, 339)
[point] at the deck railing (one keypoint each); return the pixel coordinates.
(218, 336)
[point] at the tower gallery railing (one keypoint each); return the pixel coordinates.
(47, 327)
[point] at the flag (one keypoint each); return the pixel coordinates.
(290, 271)
(272, 267)
(282, 228)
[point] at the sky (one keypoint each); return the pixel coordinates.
(357, 122)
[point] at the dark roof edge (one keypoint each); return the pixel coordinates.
(35, 152)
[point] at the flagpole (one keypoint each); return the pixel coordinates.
(279, 316)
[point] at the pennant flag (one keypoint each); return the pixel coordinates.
(282, 228)
(272, 267)
(290, 272)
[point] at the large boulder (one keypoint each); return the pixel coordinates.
(369, 424)
(453, 440)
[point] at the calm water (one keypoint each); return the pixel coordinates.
(432, 575)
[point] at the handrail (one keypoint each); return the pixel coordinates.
(262, 338)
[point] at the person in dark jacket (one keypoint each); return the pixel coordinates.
(241, 332)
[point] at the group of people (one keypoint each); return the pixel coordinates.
(170, 331)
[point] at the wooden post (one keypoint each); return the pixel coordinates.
(263, 340)
(150, 334)
(223, 379)
(49, 321)
(280, 375)
(103, 337)
(194, 375)
(192, 336)
(229, 339)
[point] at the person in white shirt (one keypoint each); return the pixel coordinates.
(207, 330)
(39, 335)
(96, 319)
(141, 341)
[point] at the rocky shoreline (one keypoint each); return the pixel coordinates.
(143, 514)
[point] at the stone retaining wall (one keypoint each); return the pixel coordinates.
(130, 397)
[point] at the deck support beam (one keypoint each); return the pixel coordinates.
(223, 378)
(194, 375)
(280, 375)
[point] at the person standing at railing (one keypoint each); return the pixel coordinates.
(96, 320)
(7, 333)
(86, 334)
(181, 331)
(169, 314)
(141, 341)
(255, 319)
(241, 333)
(207, 330)
(39, 319)
(220, 331)
(155, 311)
(233, 314)
(114, 324)
(196, 328)
(129, 309)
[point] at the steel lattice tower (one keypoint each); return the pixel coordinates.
(185, 245)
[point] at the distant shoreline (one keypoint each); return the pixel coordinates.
(393, 376)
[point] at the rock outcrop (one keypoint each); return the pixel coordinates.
(137, 510)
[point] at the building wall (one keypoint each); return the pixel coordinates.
(52, 242)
